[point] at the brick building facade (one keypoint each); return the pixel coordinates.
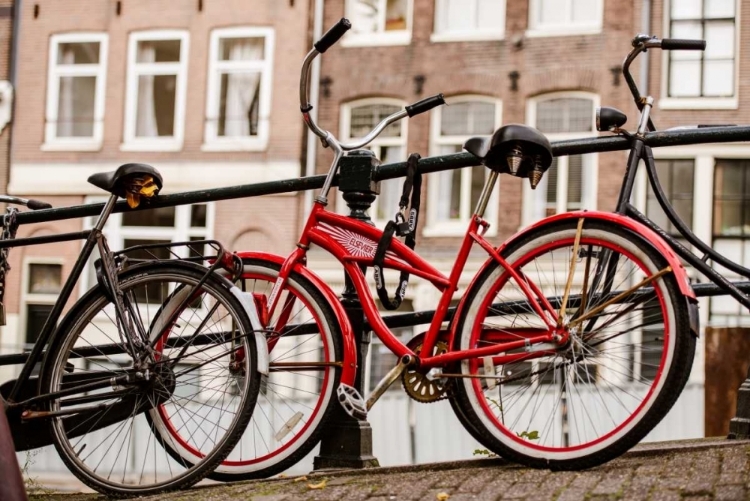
(549, 65)
(204, 91)
(207, 92)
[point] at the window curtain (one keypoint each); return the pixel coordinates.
(145, 125)
(241, 89)
(65, 109)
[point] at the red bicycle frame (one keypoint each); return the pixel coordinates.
(353, 243)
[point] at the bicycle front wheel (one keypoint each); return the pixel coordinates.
(627, 357)
(298, 396)
(192, 391)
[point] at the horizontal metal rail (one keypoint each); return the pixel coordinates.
(389, 171)
(392, 321)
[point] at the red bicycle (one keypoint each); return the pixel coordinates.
(547, 360)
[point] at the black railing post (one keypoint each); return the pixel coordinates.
(347, 442)
(739, 426)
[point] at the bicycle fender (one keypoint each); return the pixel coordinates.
(651, 236)
(647, 233)
(248, 304)
(349, 369)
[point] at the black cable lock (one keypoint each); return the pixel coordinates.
(403, 227)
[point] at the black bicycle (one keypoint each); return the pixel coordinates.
(627, 317)
(159, 361)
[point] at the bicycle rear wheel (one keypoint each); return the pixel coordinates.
(621, 370)
(193, 393)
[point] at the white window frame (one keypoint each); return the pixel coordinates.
(173, 143)
(28, 298)
(212, 141)
(116, 233)
(467, 35)
(590, 173)
(55, 72)
(395, 37)
(537, 29)
(345, 128)
(455, 228)
(699, 103)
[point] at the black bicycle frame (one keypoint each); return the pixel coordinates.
(640, 151)
(50, 325)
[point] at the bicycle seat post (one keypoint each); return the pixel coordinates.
(347, 442)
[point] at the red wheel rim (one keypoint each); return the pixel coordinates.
(487, 300)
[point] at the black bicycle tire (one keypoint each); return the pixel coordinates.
(191, 476)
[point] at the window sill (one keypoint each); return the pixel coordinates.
(151, 146)
(453, 229)
(236, 145)
(376, 39)
(563, 32)
(466, 36)
(71, 146)
(699, 103)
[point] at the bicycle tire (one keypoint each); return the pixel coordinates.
(81, 327)
(276, 456)
(499, 429)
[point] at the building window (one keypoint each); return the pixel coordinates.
(162, 225)
(39, 293)
(731, 231)
(732, 198)
(560, 17)
(379, 22)
(155, 102)
(676, 179)
(453, 194)
(75, 91)
(469, 20)
(359, 118)
(709, 73)
(570, 182)
(239, 89)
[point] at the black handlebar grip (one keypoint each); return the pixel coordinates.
(38, 204)
(424, 105)
(333, 35)
(679, 44)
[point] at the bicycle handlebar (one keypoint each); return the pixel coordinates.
(28, 202)
(425, 105)
(333, 35)
(642, 43)
(679, 44)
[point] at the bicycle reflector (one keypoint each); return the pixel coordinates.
(137, 187)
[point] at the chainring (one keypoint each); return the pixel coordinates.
(417, 384)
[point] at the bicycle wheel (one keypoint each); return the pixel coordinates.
(298, 395)
(191, 393)
(622, 368)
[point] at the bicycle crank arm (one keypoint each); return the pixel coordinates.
(388, 380)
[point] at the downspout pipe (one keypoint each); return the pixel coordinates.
(13, 77)
(645, 28)
(312, 139)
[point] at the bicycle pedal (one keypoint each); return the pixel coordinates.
(352, 402)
